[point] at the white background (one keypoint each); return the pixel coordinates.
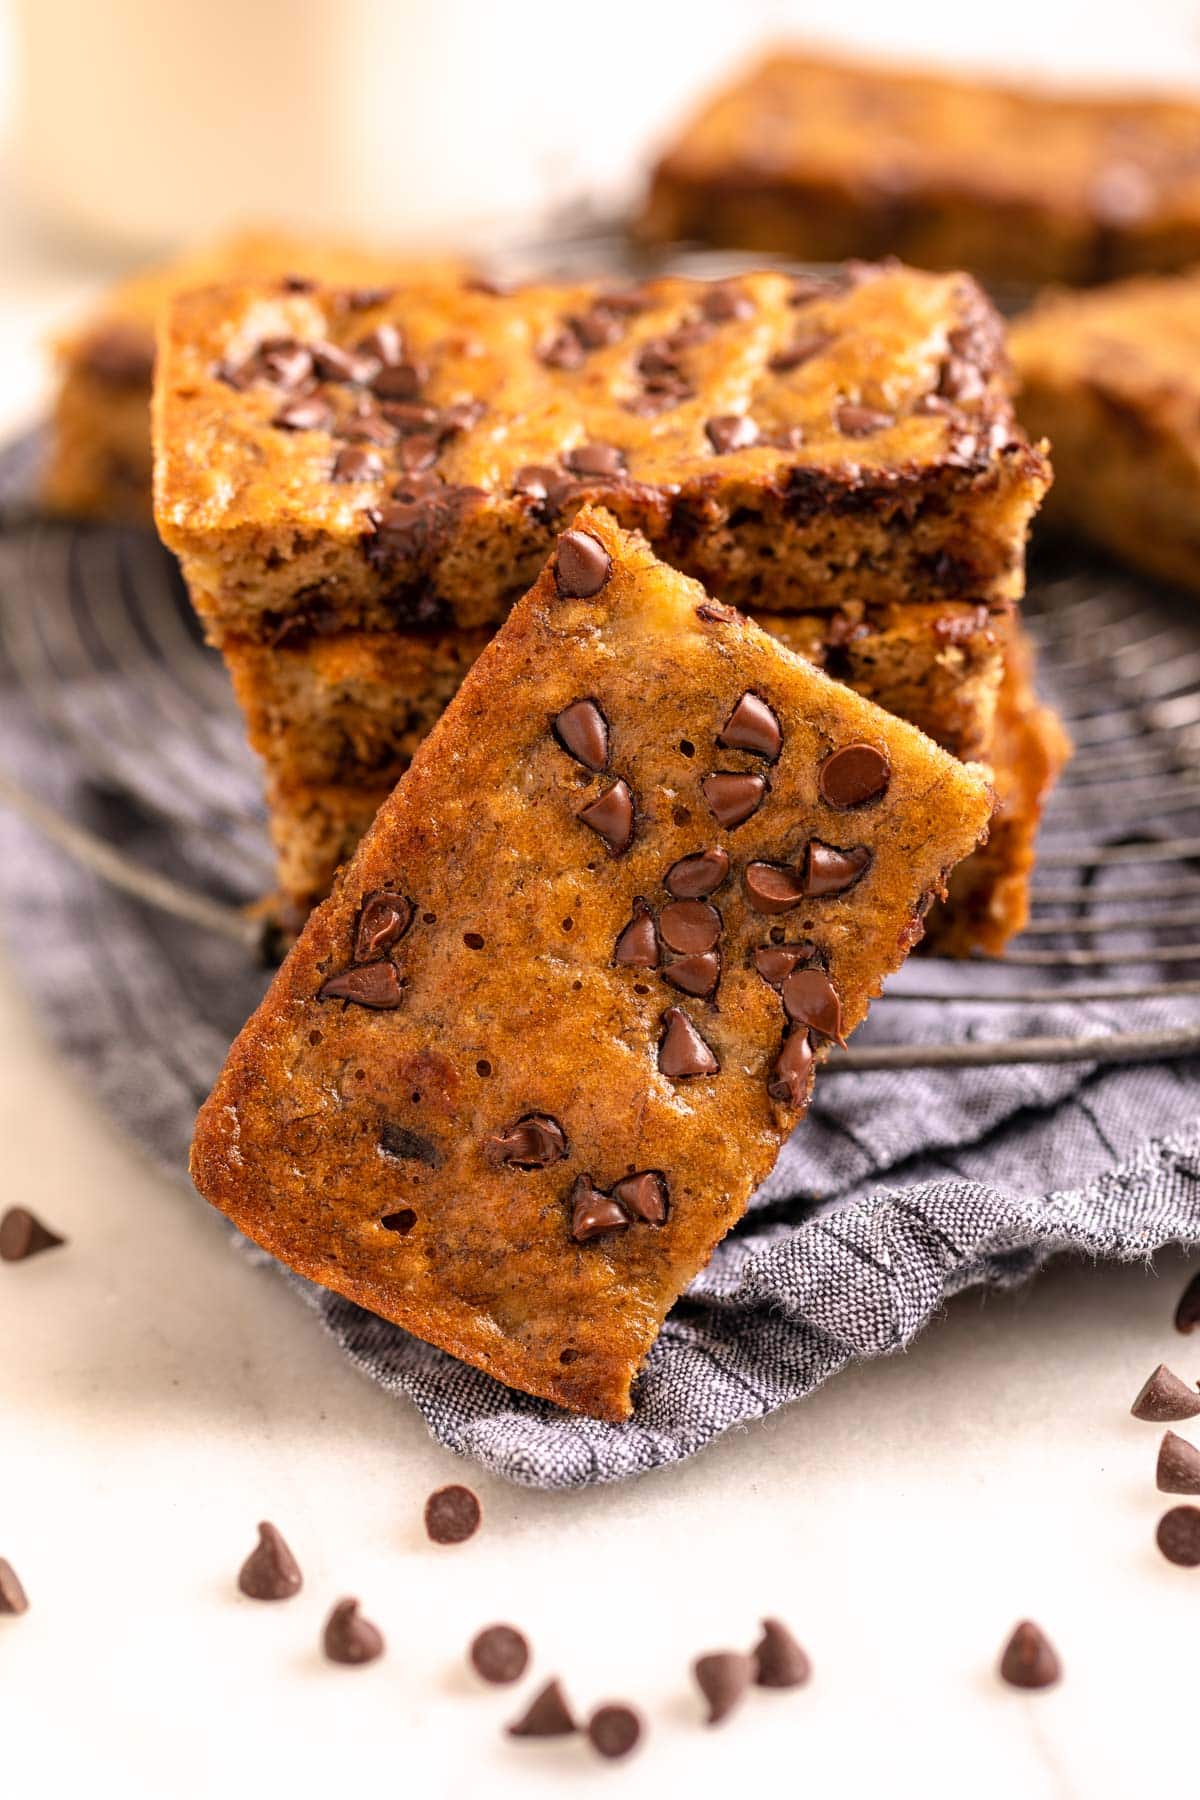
(158, 1396)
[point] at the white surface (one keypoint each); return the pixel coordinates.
(158, 1396)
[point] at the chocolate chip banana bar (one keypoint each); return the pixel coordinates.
(524, 1067)
(100, 462)
(1114, 377)
(819, 158)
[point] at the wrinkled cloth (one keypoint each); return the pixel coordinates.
(899, 1190)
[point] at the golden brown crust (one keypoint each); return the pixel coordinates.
(809, 156)
(908, 476)
(1112, 377)
(330, 1117)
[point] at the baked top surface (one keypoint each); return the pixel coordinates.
(1118, 160)
(512, 1002)
(1139, 338)
(676, 386)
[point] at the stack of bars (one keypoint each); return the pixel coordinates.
(360, 484)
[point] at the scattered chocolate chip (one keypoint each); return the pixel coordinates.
(594, 1214)
(772, 887)
(695, 877)
(1029, 1659)
(582, 565)
(354, 463)
(775, 962)
(582, 730)
(810, 998)
(832, 871)
(1164, 1396)
(853, 776)
(596, 459)
(752, 726)
(452, 1514)
(689, 926)
(303, 415)
(733, 797)
(22, 1235)
(1187, 1313)
(637, 945)
(270, 1572)
(644, 1195)
(791, 1078)
(13, 1598)
(1178, 1466)
(332, 363)
(731, 431)
(723, 1678)
(537, 481)
(724, 302)
(779, 1661)
(861, 421)
(500, 1654)
(385, 917)
(611, 817)
(696, 975)
(400, 381)
(1178, 1536)
(682, 1052)
(614, 1730)
(534, 1142)
(801, 350)
(349, 1638)
(376, 985)
(547, 1715)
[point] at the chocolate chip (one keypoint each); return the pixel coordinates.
(801, 350)
(460, 416)
(362, 299)
(120, 354)
(561, 350)
(611, 817)
(689, 926)
(713, 613)
(22, 1235)
(752, 726)
(861, 421)
(682, 1052)
(594, 1214)
(400, 381)
(417, 454)
(1187, 1313)
(582, 730)
(696, 975)
(791, 1078)
(810, 998)
(384, 918)
(853, 776)
(723, 1678)
(695, 877)
(303, 415)
(376, 985)
(452, 1514)
(779, 1661)
(1164, 1396)
(731, 431)
(536, 481)
(582, 565)
(408, 1146)
(368, 427)
(357, 464)
(775, 962)
(349, 1638)
(332, 363)
(644, 1195)
(614, 1730)
(547, 1715)
(1029, 1659)
(637, 944)
(772, 887)
(385, 344)
(270, 1572)
(596, 459)
(723, 303)
(658, 360)
(733, 797)
(534, 1142)
(598, 328)
(13, 1598)
(1178, 1466)
(500, 1654)
(285, 362)
(832, 871)
(1178, 1536)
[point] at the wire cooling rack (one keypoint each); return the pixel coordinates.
(89, 614)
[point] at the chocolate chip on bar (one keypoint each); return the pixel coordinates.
(382, 922)
(752, 726)
(810, 998)
(854, 776)
(611, 817)
(645, 1196)
(771, 889)
(533, 1142)
(682, 1052)
(733, 797)
(375, 985)
(833, 871)
(689, 927)
(695, 877)
(581, 566)
(637, 945)
(582, 730)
